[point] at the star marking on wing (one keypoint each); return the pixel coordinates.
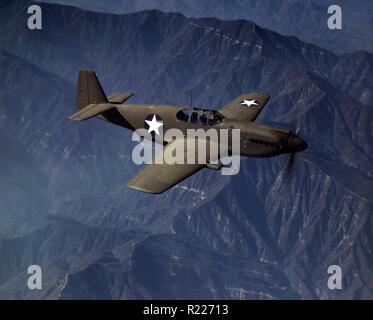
(249, 103)
(154, 125)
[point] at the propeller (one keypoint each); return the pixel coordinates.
(289, 165)
(296, 128)
(295, 124)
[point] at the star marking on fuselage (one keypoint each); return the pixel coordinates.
(249, 103)
(154, 125)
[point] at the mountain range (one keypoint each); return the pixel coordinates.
(305, 19)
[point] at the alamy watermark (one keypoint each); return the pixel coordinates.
(34, 21)
(335, 280)
(335, 20)
(220, 148)
(34, 281)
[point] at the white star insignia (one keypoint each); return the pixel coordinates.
(249, 103)
(154, 125)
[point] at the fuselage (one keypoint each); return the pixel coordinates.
(256, 140)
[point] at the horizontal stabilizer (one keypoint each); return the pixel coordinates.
(91, 111)
(120, 98)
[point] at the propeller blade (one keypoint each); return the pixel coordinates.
(289, 165)
(297, 120)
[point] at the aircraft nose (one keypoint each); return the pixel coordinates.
(298, 144)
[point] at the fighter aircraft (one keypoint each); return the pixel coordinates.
(256, 140)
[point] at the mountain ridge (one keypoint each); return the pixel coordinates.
(305, 19)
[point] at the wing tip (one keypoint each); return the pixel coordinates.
(144, 188)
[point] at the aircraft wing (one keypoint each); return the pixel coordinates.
(245, 107)
(157, 178)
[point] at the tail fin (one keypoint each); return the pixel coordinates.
(89, 89)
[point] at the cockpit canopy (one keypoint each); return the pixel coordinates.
(200, 116)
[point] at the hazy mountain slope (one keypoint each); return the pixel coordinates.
(354, 72)
(254, 235)
(306, 19)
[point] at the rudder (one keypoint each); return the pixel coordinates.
(89, 89)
